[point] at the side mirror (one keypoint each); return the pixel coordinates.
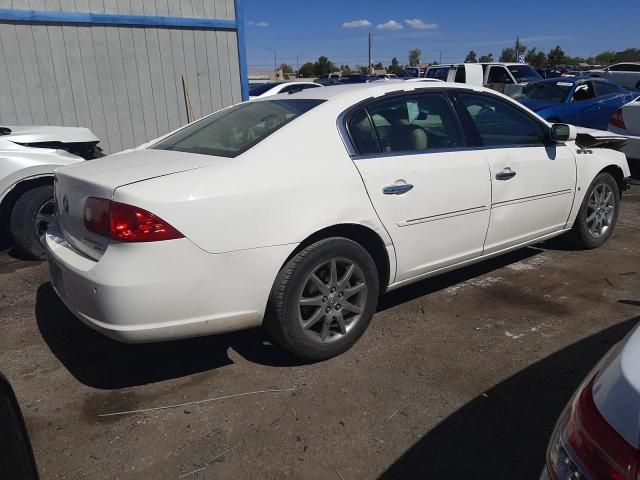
(561, 132)
(16, 456)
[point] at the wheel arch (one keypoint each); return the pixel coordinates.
(364, 236)
(8, 201)
(616, 172)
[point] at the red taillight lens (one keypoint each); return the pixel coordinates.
(617, 120)
(125, 223)
(586, 446)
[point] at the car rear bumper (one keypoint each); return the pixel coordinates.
(157, 291)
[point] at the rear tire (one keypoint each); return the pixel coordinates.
(30, 217)
(323, 299)
(598, 213)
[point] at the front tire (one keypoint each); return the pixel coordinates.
(323, 299)
(30, 217)
(598, 213)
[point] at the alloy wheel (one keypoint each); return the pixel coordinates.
(600, 210)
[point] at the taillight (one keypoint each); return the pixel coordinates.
(585, 446)
(617, 120)
(125, 223)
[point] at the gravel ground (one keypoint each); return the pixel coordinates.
(460, 376)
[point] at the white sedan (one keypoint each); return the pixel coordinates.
(298, 211)
(276, 88)
(28, 157)
(626, 121)
(598, 434)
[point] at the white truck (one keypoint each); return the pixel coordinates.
(497, 76)
(28, 158)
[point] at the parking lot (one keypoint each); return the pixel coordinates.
(459, 376)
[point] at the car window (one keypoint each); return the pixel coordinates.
(556, 92)
(260, 89)
(633, 67)
(461, 74)
(415, 123)
(499, 123)
(606, 88)
(231, 132)
(440, 73)
(584, 91)
(363, 134)
(524, 73)
(499, 75)
(624, 67)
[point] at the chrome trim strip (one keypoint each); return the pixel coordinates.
(442, 216)
(531, 198)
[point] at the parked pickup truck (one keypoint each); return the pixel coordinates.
(497, 76)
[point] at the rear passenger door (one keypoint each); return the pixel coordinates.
(431, 192)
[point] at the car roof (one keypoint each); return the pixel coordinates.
(362, 91)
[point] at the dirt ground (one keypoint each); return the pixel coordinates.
(459, 377)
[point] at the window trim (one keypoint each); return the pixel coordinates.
(459, 104)
(345, 117)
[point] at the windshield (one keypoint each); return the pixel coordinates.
(260, 89)
(233, 131)
(440, 73)
(524, 73)
(556, 92)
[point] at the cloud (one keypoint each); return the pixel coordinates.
(357, 24)
(420, 25)
(390, 25)
(258, 24)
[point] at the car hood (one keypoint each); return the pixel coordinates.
(537, 105)
(36, 134)
(591, 138)
(616, 390)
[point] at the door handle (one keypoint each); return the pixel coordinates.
(400, 189)
(506, 174)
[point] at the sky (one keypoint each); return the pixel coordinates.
(300, 31)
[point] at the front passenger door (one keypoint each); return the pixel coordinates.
(532, 181)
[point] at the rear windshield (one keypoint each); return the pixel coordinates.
(524, 73)
(440, 73)
(555, 92)
(235, 130)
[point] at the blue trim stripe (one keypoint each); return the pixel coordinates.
(82, 18)
(242, 51)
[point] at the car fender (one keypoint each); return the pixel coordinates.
(9, 181)
(589, 163)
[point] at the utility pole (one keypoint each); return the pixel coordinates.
(440, 52)
(370, 43)
(517, 49)
(275, 58)
(298, 63)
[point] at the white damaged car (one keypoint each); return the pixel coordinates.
(28, 158)
(297, 211)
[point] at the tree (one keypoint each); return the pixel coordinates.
(345, 69)
(414, 57)
(486, 58)
(471, 57)
(395, 67)
(323, 66)
(556, 56)
(378, 66)
(536, 58)
(362, 69)
(285, 68)
(605, 58)
(307, 70)
(508, 55)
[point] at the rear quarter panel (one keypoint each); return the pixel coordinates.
(294, 183)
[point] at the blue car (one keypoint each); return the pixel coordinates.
(585, 102)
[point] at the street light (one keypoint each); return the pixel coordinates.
(275, 58)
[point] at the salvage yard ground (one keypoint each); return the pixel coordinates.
(459, 376)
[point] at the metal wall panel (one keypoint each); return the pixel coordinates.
(123, 82)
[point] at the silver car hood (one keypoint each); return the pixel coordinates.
(36, 134)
